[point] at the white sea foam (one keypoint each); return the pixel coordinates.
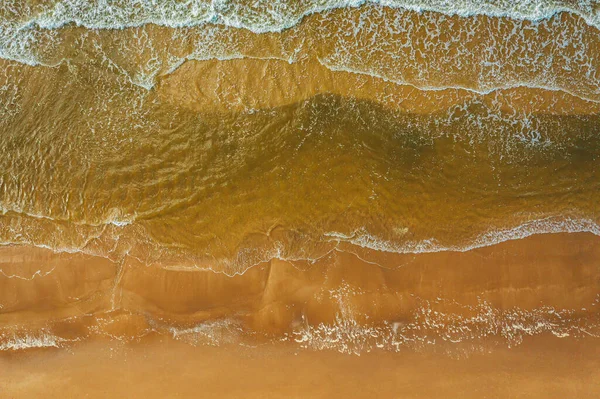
(21, 36)
(269, 16)
(41, 339)
(549, 225)
(113, 217)
(482, 88)
(430, 324)
(250, 257)
(212, 333)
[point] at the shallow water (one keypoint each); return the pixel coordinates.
(335, 176)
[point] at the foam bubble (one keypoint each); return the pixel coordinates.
(430, 326)
(41, 339)
(550, 225)
(212, 333)
(271, 16)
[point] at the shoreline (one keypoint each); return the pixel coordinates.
(157, 368)
(373, 201)
(528, 279)
(319, 46)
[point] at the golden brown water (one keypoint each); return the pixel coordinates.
(310, 179)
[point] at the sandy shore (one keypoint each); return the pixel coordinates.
(117, 323)
(555, 270)
(542, 368)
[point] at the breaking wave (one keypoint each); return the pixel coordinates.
(266, 16)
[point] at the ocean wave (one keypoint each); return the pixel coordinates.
(113, 217)
(482, 89)
(247, 258)
(550, 225)
(267, 16)
(30, 35)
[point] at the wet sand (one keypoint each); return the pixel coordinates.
(517, 319)
(552, 270)
(160, 368)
